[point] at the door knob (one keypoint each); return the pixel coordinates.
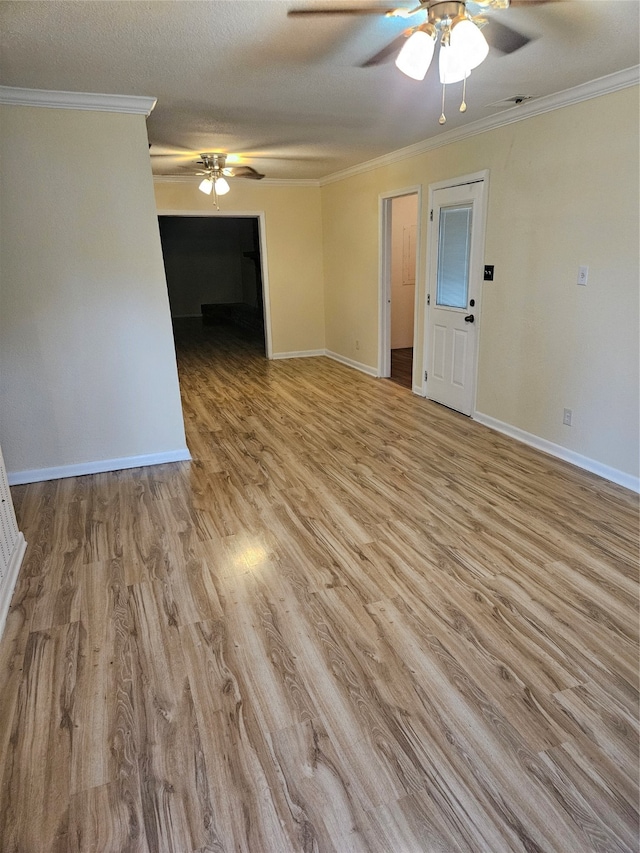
(469, 318)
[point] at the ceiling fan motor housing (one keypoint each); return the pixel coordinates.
(213, 161)
(446, 9)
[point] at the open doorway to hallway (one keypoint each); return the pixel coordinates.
(399, 235)
(213, 267)
(404, 224)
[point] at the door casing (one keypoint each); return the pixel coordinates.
(384, 275)
(259, 215)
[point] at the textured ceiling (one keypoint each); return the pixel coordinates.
(287, 94)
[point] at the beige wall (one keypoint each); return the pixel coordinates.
(563, 191)
(87, 365)
(293, 227)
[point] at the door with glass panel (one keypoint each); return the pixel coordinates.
(456, 248)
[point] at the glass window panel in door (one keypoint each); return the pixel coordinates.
(454, 245)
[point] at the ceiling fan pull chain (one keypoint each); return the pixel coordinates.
(443, 117)
(463, 105)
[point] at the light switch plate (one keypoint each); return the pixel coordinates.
(583, 274)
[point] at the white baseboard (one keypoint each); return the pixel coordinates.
(349, 362)
(560, 452)
(363, 368)
(417, 389)
(305, 353)
(9, 581)
(37, 475)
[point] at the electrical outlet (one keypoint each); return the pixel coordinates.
(566, 418)
(583, 274)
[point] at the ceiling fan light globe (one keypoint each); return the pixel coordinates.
(453, 68)
(417, 52)
(206, 186)
(222, 186)
(468, 42)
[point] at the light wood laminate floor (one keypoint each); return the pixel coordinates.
(356, 621)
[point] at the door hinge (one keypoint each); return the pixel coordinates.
(431, 216)
(428, 299)
(426, 376)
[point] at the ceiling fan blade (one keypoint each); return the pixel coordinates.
(385, 53)
(247, 172)
(503, 38)
(343, 10)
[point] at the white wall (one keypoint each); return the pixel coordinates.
(563, 191)
(87, 365)
(404, 218)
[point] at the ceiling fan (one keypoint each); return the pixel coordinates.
(216, 173)
(213, 162)
(214, 170)
(453, 25)
(499, 35)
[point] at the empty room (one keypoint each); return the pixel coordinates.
(254, 596)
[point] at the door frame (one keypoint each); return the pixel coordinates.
(262, 236)
(432, 246)
(385, 201)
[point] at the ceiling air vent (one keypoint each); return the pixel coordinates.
(513, 100)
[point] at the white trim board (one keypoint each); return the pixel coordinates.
(349, 362)
(334, 356)
(208, 211)
(37, 475)
(135, 104)
(9, 581)
(560, 452)
(265, 182)
(303, 353)
(593, 89)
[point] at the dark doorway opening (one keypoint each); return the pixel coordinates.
(402, 366)
(213, 268)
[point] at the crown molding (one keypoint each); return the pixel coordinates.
(593, 89)
(290, 182)
(268, 182)
(176, 179)
(134, 104)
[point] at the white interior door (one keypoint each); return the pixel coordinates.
(453, 312)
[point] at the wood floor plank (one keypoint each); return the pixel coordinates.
(355, 621)
(175, 806)
(107, 818)
(328, 814)
(605, 722)
(103, 748)
(36, 770)
(242, 776)
(449, 696)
